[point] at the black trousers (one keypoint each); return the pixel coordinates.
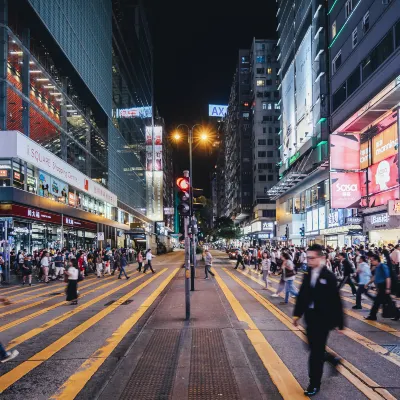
(240, 261)
(381, 298)
(347, 279)
(207, 270)
(148, 265)
(317, 335)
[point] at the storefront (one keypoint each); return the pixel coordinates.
(33, 229)
(262, 233)
(382, 229)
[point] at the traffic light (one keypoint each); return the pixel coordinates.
(302, 231)
(183, 195)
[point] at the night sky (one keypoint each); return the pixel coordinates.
(196, 47)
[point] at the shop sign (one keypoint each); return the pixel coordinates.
(312, 233)
(30, 213)
(267, 226)
(247, 229)
(394, 207)
(3, 173)
(339, 229)
(100, 236)
(354, 220)
(385, 144)
(381, 221)
(17, 176)
(265, 235)
(346, 189)
(79, 223)
(26, 149)
(333, 218)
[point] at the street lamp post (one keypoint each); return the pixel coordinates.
(203, 137)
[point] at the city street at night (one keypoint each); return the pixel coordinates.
(127, 339)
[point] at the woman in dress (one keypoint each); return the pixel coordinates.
(72, 287)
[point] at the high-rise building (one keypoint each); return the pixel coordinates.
(76, 98)
(364, 59)
(302, 191)
(265, 111)
(237, 137)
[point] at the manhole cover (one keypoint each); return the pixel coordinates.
(392, 348)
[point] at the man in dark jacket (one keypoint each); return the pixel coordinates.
(320, 303)
(348, 270)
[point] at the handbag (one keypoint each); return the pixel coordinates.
(389, 309)
(289, 273)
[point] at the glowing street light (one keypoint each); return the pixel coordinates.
(204, 137)
(177, 136)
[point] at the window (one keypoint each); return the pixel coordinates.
(262, 165)
(269, 82)
(245, 59)
(365, 23)
(339, 97)
(264, 105)
(353, 81)
(270, 177)
(260, 70)
(269, 213)
(269, 106)
(269, 129)
(260, 82)
(246, 115)
(278, 82)
(259, 94)
(337, 62)
(264, 130)
(276, 94)
(270, 153)
(269, 70)
(262, 154)
(262, 142)
(354, 38)
(262, 178)
(267, 94)
(348, 8)
(276, 118)
(260, 59)
(277, 106)
(267, 118)
(333, 29)
(270, 142)
(377, 56)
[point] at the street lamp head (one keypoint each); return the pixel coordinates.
(176, 136)
(204, 136)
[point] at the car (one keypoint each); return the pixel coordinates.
(232, 254)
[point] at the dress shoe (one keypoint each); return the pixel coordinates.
(311, 390)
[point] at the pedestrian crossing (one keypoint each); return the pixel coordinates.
(43, 331)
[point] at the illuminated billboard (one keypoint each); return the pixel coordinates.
(288, 114)
(134, 112)
(345, 152)
(385, 144)
(217, 110)
(383, 175)
(346, 189)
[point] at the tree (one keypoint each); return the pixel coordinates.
(225, 228)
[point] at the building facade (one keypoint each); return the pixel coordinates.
(300, 194)
(364, 58)
(67, 70)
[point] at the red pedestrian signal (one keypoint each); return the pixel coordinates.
(183, 184)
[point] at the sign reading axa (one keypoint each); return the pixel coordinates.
(217, 111)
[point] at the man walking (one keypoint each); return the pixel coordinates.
(320, 303)
(348, 270)
(383, 283)
(208, 264)
(123, 264)
(239, 257)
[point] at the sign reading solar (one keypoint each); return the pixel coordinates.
(217, 111)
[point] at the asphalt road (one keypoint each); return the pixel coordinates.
(127, 339)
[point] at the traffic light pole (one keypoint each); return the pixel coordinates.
(187, 264)
(193, 239)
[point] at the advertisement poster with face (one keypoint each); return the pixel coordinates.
(158, 158)
(59, 189)
(385, 144)
(345, 189)
(149, 158)
(383, 175)
(345, 150)
(44, 184)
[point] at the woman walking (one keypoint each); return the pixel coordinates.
(27, 270)
(140, 261)
(45, 264)
(73, 277)
(266, 268)
(364, 276)
(149, 257)
(288, 273)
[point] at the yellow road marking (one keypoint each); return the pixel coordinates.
(347, 331)
(361, 381)
(75, 383)
(22, 369)
(284, 380)
(81, 286)
(61, 317)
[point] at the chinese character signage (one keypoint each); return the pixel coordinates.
(346, 189)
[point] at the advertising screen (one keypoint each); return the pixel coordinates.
(288, 114)
(380, 199)
(59, 189)
(345, 189)
(303, 64)
(385, 144)
(365, 156)
(383, 175)
(345, 150)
